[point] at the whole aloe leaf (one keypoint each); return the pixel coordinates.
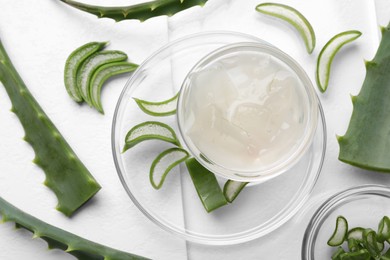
(66, 175)
(79, 247)
(140, 12)
(366, 143)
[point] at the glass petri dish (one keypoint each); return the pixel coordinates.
(362, 206)
(176, 208)
(270, 68)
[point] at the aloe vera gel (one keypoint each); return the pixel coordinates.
(245, 111)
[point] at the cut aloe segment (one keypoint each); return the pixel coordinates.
(232, 188)
(148, 131)
(327, 55)
(370, 242)
(164, 163)
(162, 108)
(90, 65)
(362, 254)
(340, 232)
(384, 230)
(337, 254)
(101, 75)
(356, 233)
(353, 245)
(206, 185)
(73, 63)
(295, 18)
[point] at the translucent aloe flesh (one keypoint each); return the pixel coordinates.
(79, 247)
(366, 143)
(66, 175)
(139, 12)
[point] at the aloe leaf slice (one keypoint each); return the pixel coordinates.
(148, 131)
(72, 65)
(90, 65)
(101, 75)
(356, 234)
(231, 189)
(141, 12)
(327, 54)
(340, 233)
(206, 185)
(162, 108)
(371, 243)
(362, 254)
(353, 245)
(164, 163)
(337, 254)
(79, 247)
(294, 17)
(66, 175)
(384, 229)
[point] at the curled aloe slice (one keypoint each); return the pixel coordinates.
(150, 130)
(356, 234)
(162, 108)
(371, 243)
(206, 185)
(362, 254)
(231, 189)
(101, 75)
(338, 253)
(164, 163)
(294, 17)
(90, 65)
(75, 59)
(327, 55)
(79, 247)
(340, 232)
(384, 229)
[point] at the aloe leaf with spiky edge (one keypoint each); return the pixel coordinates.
(366, 143)
(79, 247)
(66, 175)
(139, 12)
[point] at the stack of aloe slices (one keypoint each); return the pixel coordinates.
(205, 182)
(89, 67)
(362, 243)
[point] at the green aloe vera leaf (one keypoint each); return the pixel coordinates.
(66, 175)
(356, 234)
(340, 232)
(89, 67)
(294, 17)
(327, 54)
(337, 254)
(354, 245)
(79, 247)
(367, 140)
(150, 130)
(359, 255)
(384, 229)
(101, 75)
(72, 65)
(370, 242)
(206, 185)
(139, 12)
(231, 189)
(162, 108)
(164, 163)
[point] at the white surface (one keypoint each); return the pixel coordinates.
(38, 37)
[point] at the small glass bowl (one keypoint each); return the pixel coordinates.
(308, 98)
(362, 206)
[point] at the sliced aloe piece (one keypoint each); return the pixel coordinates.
(162, 108)
(206, 185)
(356, 233)
(384, 230)
(362, 254)
(90, 65)
(328, 53)
(340, 232)
(73, 63)
(164, 163)
(337, 254)
(150, 130)
(101, 75)
(354, 245)
(231, 189)
(294, 17)
(370, 242)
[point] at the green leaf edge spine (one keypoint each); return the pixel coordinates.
(65, 174)
(141, 12)
(367, 140)
(79, 247)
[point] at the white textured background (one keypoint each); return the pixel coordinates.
(39, 35)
